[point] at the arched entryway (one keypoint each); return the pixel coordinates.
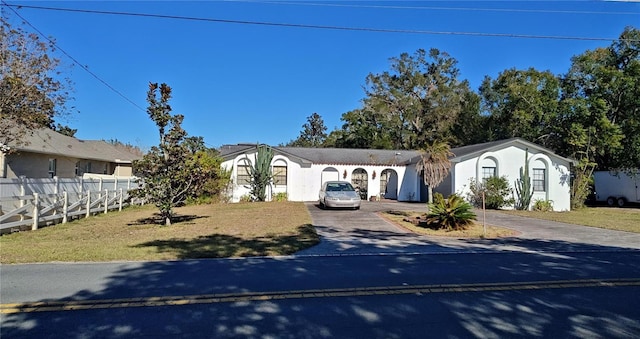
(360, 181)
(389, 184)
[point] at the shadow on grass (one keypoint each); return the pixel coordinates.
(224, 246)
(156, 219)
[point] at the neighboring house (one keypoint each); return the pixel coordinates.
(47, 153)
(391, 174)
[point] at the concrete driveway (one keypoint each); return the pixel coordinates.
(349, 232)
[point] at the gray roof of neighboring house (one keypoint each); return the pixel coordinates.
(46, 141)
(354, 156)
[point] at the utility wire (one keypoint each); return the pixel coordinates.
(471, 9)
(72, 58)
(340, 28)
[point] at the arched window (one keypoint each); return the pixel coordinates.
(539, 176)
(243, 173)
(489, 168)
(280, 173)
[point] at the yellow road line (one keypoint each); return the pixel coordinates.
(74, 305)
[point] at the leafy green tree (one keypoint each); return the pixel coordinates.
(521, 103)
(260, 173)
(31, 90)
(166, 170)
(470, 127)
(434, 165)
(195, 144)
(313, 134)
(211, 180)
(420, 98)
(601, 118)
(454, 213)
(362, 128)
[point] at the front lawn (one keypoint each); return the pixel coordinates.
(621, 219)
(205, 231)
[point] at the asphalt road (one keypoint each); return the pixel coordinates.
(488, 295)
(367, 279)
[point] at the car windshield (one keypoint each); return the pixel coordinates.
(339, 187)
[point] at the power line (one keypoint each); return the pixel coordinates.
(327, 27)
(72, 58)
(472, 9)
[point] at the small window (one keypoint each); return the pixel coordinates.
(539, 180)
(52, 168)
(280, 175)
(488, 172)
(243, 177)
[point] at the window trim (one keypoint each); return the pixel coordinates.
(537, 181)
(243, 178)
(494, 174)
(278, 176)
(53, 167)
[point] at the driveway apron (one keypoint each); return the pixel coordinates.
(358, 232)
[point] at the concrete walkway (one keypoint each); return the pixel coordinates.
(348, 232)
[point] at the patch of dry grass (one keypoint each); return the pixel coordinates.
(473, 231)
(621, 219)
(205, 231)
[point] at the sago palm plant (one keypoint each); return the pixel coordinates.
(453, 213)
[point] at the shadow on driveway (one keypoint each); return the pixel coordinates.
(363, 232)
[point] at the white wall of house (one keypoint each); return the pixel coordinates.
(508, 162)
(304, 180)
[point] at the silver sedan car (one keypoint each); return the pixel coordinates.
(339, 194)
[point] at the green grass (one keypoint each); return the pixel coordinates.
(621, 219)
(204, 231)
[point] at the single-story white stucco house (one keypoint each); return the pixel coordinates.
(391, 174)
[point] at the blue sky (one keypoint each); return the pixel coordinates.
(239, 83)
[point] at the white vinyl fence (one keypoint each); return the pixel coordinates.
(26, 202)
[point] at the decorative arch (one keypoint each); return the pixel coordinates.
(243, 173)
(329, 174)
(389, 184)
(360, 180)
(486, 160)
(489, 168)
(279, 170)
(539, 165)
